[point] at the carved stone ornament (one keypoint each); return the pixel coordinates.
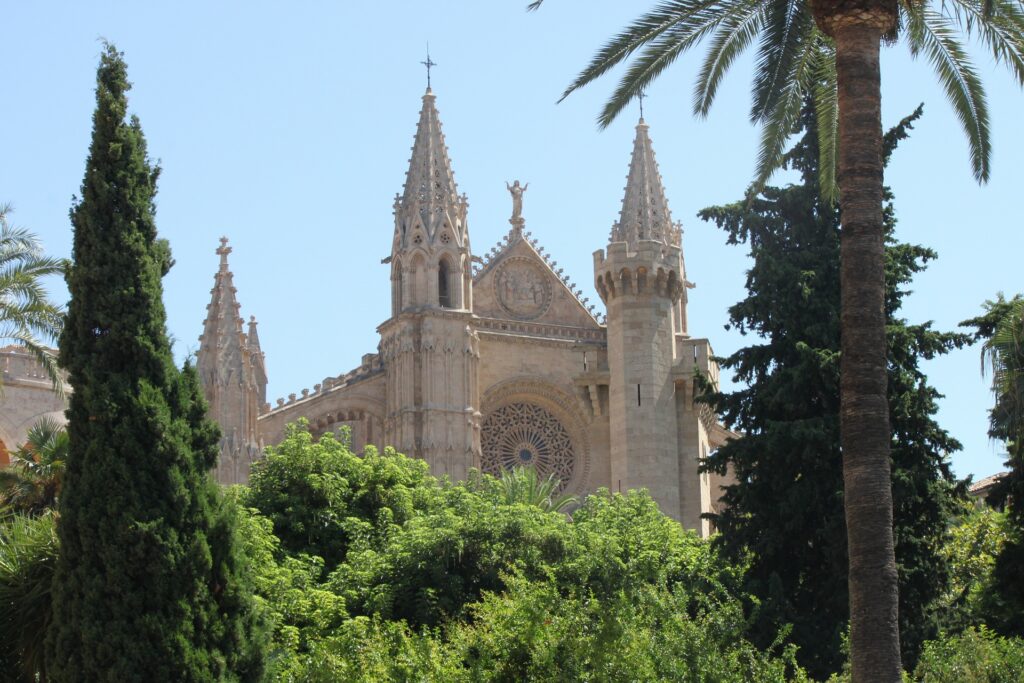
(532, 423)
(522, 289)
(526, 435)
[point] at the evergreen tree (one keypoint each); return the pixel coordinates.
(785, 510)
(148, 581)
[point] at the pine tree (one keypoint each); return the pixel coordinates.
(149, 582)
(785, 511)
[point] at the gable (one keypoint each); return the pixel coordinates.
(519, 284)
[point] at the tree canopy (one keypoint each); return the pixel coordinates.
(785, 511)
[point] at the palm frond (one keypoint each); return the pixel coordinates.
(731, 38)
(826, 110)
(933, 34)
(999, 24)
(778, 124)
(1004, 353)
(28, 554)
(524, 485)
(788, 26)
(641, 32)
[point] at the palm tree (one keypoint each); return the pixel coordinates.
(31, 484)
(28, 553)
(1004, 353)
(524, 485)
(829, 49)
(26, 316)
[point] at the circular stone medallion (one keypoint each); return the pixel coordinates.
(522, 289)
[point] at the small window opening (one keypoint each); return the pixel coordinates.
(638, 394)
(444, 298)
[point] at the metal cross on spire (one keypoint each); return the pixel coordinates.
(429, 63)
(640, 96)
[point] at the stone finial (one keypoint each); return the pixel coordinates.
(223, 250)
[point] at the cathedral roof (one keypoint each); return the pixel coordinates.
(430, 183)
(645, 214)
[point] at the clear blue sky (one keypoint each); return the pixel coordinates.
(287, 127)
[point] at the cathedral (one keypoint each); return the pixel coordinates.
(495, 361)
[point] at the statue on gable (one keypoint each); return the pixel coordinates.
(517, 190)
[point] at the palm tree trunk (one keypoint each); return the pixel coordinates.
(874, 600)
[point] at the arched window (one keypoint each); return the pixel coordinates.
(444, 297)
(396, 292)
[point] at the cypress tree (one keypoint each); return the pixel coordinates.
(149, 582)
(785, 511)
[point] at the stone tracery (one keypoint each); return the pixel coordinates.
(525, 434)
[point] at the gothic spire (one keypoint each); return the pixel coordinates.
(222, 336)
(430, 192)
(645, 214)
(232, 374)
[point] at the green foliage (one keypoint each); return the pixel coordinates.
(150, 580)
(1002, 328)
(442, 560)
(524, 485)
(974, 656)
(535, 632)
(975, 541)
(460, 584)
(298, 610)
(28, 553)
(321, 497)
(27, 317)
(785, 513)
(31, 484)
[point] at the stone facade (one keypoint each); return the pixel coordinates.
(491, 362)
(27, 396)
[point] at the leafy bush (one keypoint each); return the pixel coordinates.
(975, 656)
(433, 581)
(321, 497)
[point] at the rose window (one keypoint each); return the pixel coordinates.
(526, 435)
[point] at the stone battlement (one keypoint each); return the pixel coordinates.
(651, 268)
(18, 366)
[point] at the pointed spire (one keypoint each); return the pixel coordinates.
(259, 362)
(252, 338)
(232, 374)
(430, 188)
(223, 327)
(645, 214)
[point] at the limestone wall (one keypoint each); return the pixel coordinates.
(27, 396)
(539, 377)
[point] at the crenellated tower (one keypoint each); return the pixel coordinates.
(429, 349)
(640, 279)
(233, 375)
